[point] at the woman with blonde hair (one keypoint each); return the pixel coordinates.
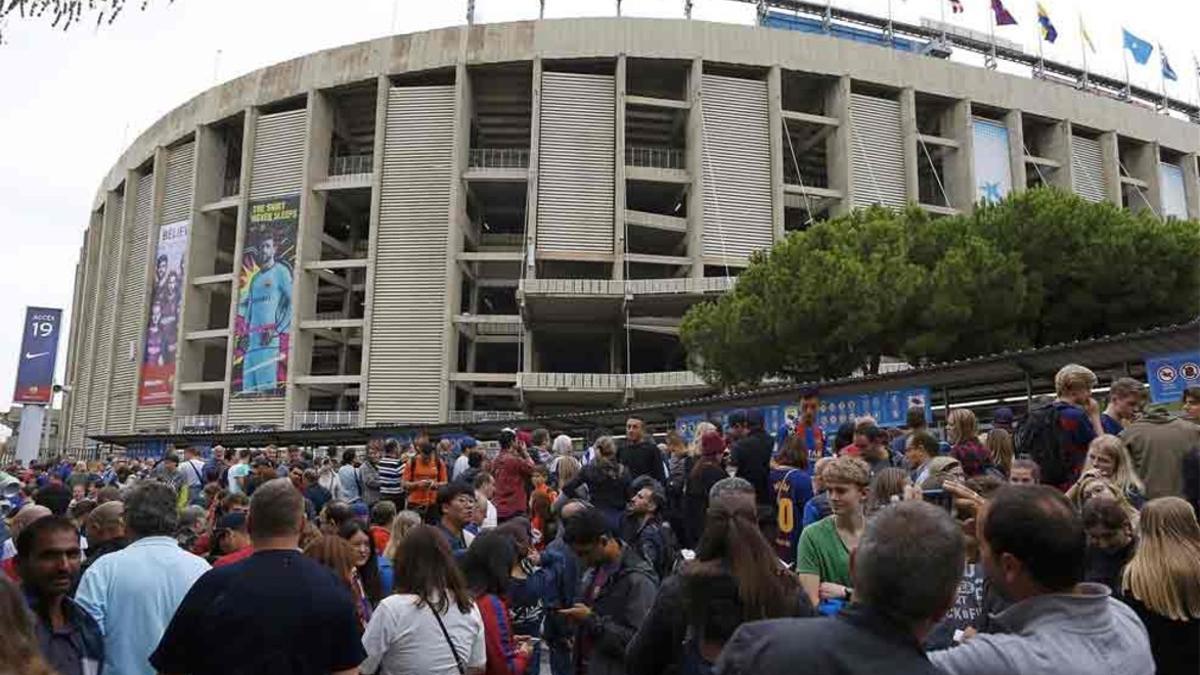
(1109, 458)
(1000, 450)
(1092, 485)
(702, 428)
(1162, 584)
(962, 431)
(404, 522)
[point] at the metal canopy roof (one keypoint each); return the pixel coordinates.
(1004, 374)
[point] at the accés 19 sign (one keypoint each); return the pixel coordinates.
(39, 351)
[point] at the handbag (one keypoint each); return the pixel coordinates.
(462, 668)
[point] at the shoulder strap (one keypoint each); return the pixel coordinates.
(462, 668)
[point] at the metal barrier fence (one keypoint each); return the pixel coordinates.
(498, 158)
(654, 157)
(348, 165)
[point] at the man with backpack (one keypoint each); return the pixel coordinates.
(1056, 435)
(644, 529)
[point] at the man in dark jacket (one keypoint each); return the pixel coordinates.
(48, 556)
(644, 529)
(892, 611)
(752, 457)
(640, 455)
(559, 558)
(618, 590)
(105, 530)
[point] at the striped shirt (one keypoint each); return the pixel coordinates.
(389, 477)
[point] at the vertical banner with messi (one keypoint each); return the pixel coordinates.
(264, 300)
(39, 349)
(162, 326)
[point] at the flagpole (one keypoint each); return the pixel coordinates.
(1196, 65)
(1041, 66)
(891, 32)
(991, 60)
(942, 15)
(1083, 42)
(1128, 93)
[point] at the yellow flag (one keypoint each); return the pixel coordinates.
(1087, 39)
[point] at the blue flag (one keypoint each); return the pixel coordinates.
(1049, 32)
(1167, 70)
(1140, 49)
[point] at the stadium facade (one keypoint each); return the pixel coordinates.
(459, 224)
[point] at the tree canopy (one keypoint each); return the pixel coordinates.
(1039, 268)
(64, 13)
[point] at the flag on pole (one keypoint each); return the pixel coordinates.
(956, 6)
(1167, 71)
(1087, 39)
(1140, 49)
(1003, 16)
(1049, 32)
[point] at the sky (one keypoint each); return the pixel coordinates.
(70, 102)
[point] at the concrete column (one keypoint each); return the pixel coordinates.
(1111, 158)
(959, 178)
(531, 190)
(318, 134)
(775, 134)
(1142, 163)
(207, 177)
(114, 222)
(1016, 148)
(1059, 147)
(695, 165)
(249, 135)
(1191, 184)
(454, 241)
(618, 270)
(838, 146)
(908, 132)
(383, 85)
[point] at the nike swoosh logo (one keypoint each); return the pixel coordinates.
(34, 356)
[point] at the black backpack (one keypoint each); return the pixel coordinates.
(1038, 437)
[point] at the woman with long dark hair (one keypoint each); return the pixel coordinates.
(487, 566)
(734, 578)
(365, 563)
(607, 482)
(405, 634)
(704, 474)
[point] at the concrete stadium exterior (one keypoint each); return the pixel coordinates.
(497, 218)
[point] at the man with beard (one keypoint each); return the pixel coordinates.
(48, 557)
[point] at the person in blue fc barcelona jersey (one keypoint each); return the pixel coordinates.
(267, 310)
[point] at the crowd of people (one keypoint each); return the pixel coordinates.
(1065, 542)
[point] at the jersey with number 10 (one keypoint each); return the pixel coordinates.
(792, 489)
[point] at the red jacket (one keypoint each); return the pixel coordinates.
(502, 655)
(511, 472)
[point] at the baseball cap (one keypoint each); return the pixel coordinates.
(1002, 417)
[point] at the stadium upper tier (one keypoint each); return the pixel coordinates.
(474, 221)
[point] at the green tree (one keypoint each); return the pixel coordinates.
(1039, 268)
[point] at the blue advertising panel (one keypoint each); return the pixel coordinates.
(39, 350)
(1170, 374)
(889, 408)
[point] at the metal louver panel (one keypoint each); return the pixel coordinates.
(408, 325)
(277, 168)
(110, 278)
(177, 189)
(1087, 168)
(576, 163)
(82, 406)
(256, 412)
(736, 166)
(135, 268)
(153, 419)
(876, 152)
